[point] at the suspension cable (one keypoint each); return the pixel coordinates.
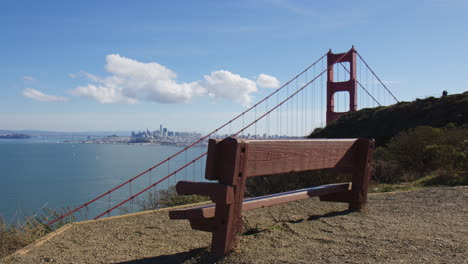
(191, 145)
(363, 88)
(377, 77)
(204, 154)
(293, 94)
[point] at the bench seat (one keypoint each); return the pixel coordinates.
(208, 211)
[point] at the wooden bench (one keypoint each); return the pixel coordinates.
(231, 161)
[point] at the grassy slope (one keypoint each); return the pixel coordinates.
(382, 123)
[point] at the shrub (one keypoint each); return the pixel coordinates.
(383, 123)
(415, 153)
(407, 148)
(386, 171)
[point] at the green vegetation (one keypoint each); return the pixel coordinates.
(383, 123)
(420, 143)
(424, 156)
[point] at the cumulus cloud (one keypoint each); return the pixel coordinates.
(267, 81)
(28, 78)
(132, 81)
(42, 97)
(103, 94)
(226, 85)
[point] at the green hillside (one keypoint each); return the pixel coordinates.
(382, 123)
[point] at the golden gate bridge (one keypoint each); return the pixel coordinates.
(337, 82)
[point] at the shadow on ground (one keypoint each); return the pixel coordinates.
(331, 214)
(203, 256)
(197, 256)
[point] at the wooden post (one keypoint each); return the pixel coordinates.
(231, 152)
(361, 175)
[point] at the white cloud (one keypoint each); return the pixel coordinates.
(88, 75)
(132, 81)
(226, 85)
(28, 78)
(42, 97)
(103, 94)
(267, 81)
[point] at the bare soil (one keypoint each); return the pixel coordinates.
(423, 226)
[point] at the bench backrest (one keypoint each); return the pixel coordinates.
(268, 157)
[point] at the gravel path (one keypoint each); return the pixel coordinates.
(423, 226)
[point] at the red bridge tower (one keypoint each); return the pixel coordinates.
(345, 86)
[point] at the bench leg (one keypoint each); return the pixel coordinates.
(362, 175)
(225, 236)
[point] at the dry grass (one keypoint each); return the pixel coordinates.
(25, 230)
(16, 236)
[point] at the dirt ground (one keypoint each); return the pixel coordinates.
(423, 226)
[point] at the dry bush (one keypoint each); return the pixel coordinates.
(26, 230)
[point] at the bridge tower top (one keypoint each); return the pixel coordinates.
(343, 86)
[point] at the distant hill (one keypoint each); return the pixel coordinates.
(382, 123)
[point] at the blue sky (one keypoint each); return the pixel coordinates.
(74, 65)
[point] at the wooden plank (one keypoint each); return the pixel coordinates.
(211, 160)
(207, 225)
(219, 193)
(208, 211)
(199, 212)
(266, 157)
(286, 197)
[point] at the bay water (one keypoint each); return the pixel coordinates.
(47, 172)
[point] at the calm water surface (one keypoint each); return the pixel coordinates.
(41, 172)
